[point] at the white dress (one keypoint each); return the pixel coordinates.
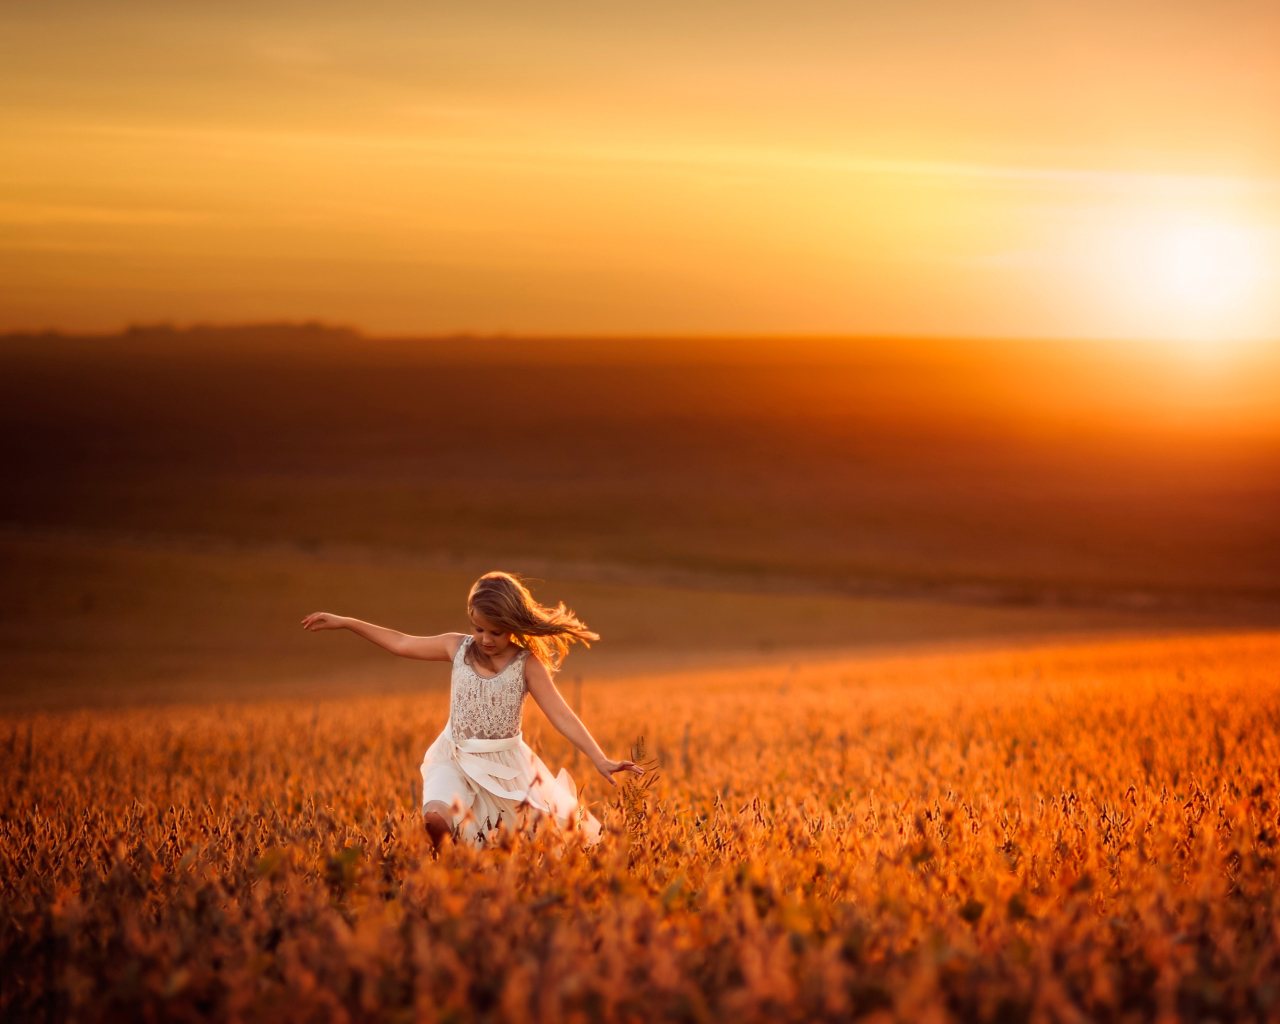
(481, 766)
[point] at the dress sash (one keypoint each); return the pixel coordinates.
(481, 770)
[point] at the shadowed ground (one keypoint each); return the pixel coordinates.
(174, 502)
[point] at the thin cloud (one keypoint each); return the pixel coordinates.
(16, 214)
(728, 157)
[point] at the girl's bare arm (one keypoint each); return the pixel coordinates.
(423, 648)
(544, 691)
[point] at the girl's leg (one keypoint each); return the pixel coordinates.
(438, 817)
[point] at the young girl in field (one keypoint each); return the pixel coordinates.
(479, 771)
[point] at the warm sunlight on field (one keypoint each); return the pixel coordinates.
(1058, 833)
(892, 390)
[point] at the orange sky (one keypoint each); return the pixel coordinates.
(1099, 168)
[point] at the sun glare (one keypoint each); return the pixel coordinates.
(1208, 267)
(1193, 279)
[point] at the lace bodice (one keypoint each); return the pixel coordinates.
(481, 708)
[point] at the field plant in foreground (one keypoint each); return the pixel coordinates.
(1071, 833)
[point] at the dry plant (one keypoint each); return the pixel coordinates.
(1055, 834)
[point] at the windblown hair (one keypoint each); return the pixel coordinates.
(544, 632)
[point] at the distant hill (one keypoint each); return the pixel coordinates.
(984, 470)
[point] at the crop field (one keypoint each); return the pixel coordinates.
(1058, 833)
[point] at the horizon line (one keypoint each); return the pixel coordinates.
(466, 334)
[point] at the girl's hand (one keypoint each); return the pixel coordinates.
(323, 620)
(607, 768)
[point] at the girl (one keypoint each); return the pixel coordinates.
(479, 771)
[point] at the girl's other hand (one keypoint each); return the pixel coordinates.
(322, 620)
(607, 768)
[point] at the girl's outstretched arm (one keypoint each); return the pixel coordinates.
(424, 648)
(567, 723)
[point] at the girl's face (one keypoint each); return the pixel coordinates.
(490, 638)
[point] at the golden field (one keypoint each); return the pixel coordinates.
(1062, 832)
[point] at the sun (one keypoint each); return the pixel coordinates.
(1207, 267)
(1193, 278)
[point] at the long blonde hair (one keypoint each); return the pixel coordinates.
(544, 632)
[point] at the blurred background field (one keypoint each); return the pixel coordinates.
(175, 501)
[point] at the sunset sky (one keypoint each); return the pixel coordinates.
(1100, 168)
